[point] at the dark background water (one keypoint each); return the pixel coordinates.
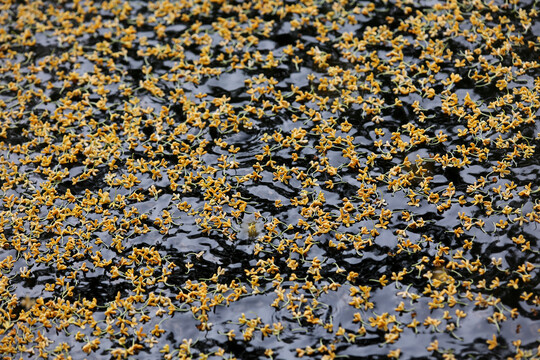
(159, 157)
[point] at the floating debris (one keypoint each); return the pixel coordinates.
(312, 179)
(251, 227)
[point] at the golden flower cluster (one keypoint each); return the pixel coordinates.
(364, 172)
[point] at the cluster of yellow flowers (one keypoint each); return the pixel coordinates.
(287, 178)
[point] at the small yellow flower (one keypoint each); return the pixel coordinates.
(492, 343)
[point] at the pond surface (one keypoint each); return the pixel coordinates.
(269, 179)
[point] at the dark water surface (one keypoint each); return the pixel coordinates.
(269, 179)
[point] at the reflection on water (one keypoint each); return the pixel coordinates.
(269, 179)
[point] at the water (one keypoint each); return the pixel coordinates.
(269, 179)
